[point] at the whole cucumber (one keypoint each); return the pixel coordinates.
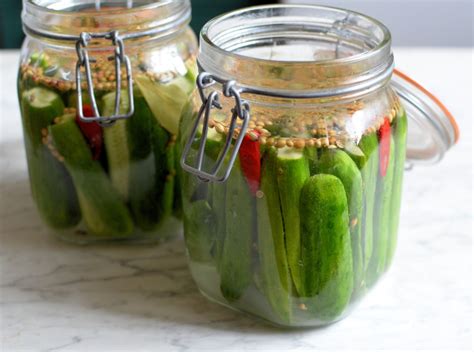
(199, 229)
(325, 247)
(369, 170)
(292, 171)
(274, 267)
(382, 215)
(400, 137)
(116, 144)
(235, 265)
(51, 186)
(145, 188)
(103, 211)
(336, 162)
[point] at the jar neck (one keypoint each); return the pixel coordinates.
(65, 20)
(298, 50)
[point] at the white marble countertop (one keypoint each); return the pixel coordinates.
(58, 297)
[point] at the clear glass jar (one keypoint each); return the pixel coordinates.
(103, 168)
(295, 152)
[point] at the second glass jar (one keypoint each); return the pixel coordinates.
(108, 179)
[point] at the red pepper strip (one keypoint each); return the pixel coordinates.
(91, 131)
(384, 146)
(249, 156)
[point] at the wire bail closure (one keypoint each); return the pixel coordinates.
(241, 111)
(84, 61)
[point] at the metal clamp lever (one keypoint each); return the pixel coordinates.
(240, 111)
(84, 60)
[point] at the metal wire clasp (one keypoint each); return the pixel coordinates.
(241, 111)
(84, 61)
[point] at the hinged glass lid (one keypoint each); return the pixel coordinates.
(432, 129)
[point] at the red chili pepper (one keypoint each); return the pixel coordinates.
(384, 146)
(249, 156)
(91, 131)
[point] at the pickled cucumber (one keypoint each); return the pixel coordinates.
(292, 170)
(382, 215)
(146, 159)
(369, 170)
(51, 186)
(199, 229)
(235, 264)
(399, 136)
(102, 208)
(326, 256)
(116, 144)
(336, 162)
(274, 268)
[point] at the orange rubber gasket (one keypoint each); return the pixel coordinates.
(451, 118)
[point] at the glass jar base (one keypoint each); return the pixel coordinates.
(80, 236)
(254, 304)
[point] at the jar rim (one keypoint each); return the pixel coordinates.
(60, 20)
(204, 34)
(223, 38)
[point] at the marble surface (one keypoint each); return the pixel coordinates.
(59, 297)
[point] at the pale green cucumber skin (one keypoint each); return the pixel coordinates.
(235, 264)
(369, 171)
(116, 144)
(145, 188)
(291, 175)
(51, 186)
(325, 247)
(219, 209)
(336, 162)
(274, 268)
(400, 138)
(382, 214)
(199, 230)
(103, 211)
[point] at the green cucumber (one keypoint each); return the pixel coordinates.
(292, 171)
(235, 266)
(145, 188)
(199, 229)
(51, 186)
(103, 211)
(116, 144)
(369, 170)
(218, 203)
(274, 268)
(325, 247)
(336, 162)
(399, 137)
(40, 107)
(382, 215)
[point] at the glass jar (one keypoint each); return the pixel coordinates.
(295, 151)
(101, 89)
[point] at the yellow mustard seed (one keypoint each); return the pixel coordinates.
(280, 143)
(219, 128)
(299, 143)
